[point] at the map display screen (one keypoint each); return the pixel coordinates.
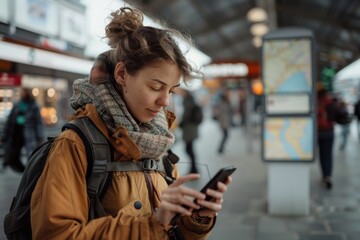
(288, 139)
(287, 66)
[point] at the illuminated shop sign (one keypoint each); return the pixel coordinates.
(226, 70)
(10, 79)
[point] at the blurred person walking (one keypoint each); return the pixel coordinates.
(242, 108)
(325, 126)
(357, 115)
(23, 128)
(224, 118)
(343, 118)
(190, 127)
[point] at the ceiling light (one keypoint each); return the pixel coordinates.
(259, 29)
(257, 15)
(257, 41)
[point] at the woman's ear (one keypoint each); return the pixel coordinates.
(119, 73)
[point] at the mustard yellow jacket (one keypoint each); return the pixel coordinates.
(59, 204)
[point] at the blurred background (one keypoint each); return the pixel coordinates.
(47, 44)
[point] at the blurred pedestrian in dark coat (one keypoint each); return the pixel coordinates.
(357, 115)
(224, 119)
(23, 128)
(325, 126)
(190, 130)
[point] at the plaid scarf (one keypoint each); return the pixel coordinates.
(153, 138)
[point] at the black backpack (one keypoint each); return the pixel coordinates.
(357, 110)
(342, 117)
(196, 116)
(99, 154)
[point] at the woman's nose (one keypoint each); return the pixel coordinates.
(164, 100)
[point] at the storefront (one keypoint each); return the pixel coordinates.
(51, 94)
(9, 85)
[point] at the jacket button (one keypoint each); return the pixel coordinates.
(137, 205)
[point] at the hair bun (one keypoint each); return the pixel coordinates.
(123, 23)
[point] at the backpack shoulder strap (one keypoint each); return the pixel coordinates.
(98, 153)
(169, 161)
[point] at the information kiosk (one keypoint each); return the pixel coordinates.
(288, 119)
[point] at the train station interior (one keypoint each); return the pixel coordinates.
(244, 47)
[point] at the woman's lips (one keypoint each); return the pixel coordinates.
(154, 112)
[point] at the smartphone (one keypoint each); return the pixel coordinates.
(220, 176)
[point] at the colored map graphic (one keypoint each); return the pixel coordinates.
(287, 66)
(288, 138)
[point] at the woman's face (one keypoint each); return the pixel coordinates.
(148, 91)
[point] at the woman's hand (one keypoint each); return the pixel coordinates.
(178, 199)
(210, 208)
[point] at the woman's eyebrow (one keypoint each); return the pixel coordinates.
(164, 83)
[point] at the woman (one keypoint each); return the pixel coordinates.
(128, 106)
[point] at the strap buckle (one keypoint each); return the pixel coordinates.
(150, 164)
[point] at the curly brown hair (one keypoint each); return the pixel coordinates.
(138, 46)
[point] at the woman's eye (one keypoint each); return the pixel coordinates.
(173, 90)
(156, 88)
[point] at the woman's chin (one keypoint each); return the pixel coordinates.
(148, 120)
(145, 120)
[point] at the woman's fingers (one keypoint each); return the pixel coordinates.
(182, 196)
(178, 199)
(176, 208)
(214, 205)
(214, 194)
(186, 178)
(222, 187)
(176, 192)
(228, 180)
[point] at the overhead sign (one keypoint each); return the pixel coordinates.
(225, 70)
(38, 57)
